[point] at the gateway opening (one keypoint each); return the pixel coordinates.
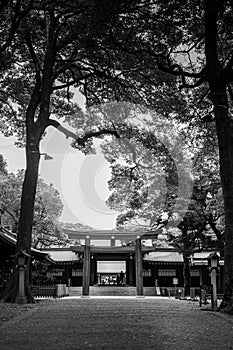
(111, 273)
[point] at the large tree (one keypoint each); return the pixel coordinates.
(216, 74)
(193, 42)
(55, 47)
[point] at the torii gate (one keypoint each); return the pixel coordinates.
(112, 236)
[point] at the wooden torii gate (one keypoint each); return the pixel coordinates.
(112, 236)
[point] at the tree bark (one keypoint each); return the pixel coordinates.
(217, 78)
(26, 220)
(225, 141)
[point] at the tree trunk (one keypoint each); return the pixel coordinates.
(186, 275)
(225, 141)
(25, 222)
(217, 77)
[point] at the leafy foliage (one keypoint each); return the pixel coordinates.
(48, 208)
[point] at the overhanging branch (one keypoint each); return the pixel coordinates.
(82, 140)
(165, 65)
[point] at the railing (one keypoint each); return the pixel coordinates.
(49, 291)
(44, 291)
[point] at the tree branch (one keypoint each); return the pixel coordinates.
(198, 41)
(11, 214)
(165, 65)
(187, 85)
(82, 140)
(33, 54)
(63, 86)
(34, 102)
(219, 234)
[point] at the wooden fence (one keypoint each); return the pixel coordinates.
(49, 291)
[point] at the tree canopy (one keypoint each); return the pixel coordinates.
(147, 188)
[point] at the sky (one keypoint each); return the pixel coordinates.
(81, 180)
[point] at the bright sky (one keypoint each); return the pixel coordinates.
(81, 180)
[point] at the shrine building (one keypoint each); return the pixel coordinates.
(113, 258)
(103, 260)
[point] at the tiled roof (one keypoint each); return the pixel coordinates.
(62, 255)
(164, 256)
(202, 258)
(202, 255)
(7, 237)
(11, 238)
(160, 256)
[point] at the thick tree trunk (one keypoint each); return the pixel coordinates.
(217, 77)
(25, 222)
(186, 275)
(225, 141)
(28, 198)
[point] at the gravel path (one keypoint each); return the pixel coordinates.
(110, 323)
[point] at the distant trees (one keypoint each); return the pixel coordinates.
(46, 230)
(48, 208)
(10, 191)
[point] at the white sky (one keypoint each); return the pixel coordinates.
(81, 180)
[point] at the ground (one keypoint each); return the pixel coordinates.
(114, 323)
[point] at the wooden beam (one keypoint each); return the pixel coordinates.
(112, 250)
(107, 234)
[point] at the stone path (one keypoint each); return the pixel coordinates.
(117, 323)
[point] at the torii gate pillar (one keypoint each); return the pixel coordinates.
(138, 266)
(86, 267)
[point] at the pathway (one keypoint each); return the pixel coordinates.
(117, 323)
